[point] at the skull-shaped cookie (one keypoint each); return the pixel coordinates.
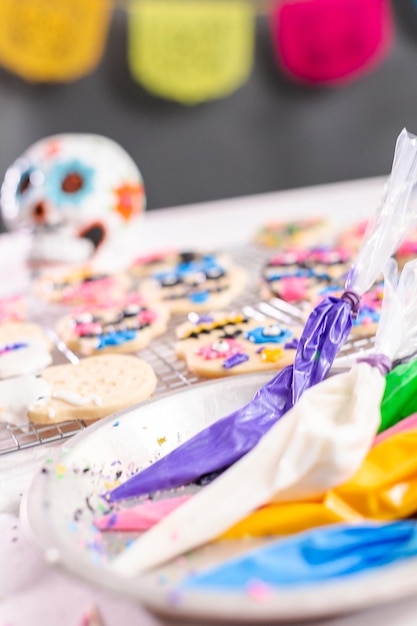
(81, 195)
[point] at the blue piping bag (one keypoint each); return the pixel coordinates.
(327, 328)
(312, 557)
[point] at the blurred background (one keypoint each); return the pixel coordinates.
(272, 131)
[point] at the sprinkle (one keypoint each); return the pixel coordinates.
(258, 590)
(87, 500)
(161, 440)
(234, 360)
(60, 470)
(116, 424)
(174, 597)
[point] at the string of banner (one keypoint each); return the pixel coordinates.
(193, 51)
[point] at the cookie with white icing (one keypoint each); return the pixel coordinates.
(80, 285)
(127, 325)
(98, 386)
(201, 282)
(24, 348)
(226, 344)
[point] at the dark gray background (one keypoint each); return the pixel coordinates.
(271, 134)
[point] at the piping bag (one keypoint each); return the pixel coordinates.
(314, 556)
(327, 328)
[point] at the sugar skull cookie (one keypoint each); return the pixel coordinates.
(293, 273)
(366, 323)
(196, 282)
(226, 344)
(124, 326)
(155, 262)
(81, 195)
(297, 233)
(24, 348)
(80, 285)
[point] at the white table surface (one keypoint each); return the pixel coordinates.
(25, 580)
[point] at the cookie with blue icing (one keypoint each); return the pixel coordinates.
(197, 282)
(227, 343)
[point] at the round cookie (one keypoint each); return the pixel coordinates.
(82, 285)
(24, 348)
(226, 344)
(94, 388)
(296, 233)
(124, 326)
(201, 283)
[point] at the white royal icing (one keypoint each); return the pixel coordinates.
(20, 393)
(72, 397)
(26, 360)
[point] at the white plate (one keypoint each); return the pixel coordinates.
(58, 513)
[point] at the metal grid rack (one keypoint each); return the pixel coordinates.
(171, 372)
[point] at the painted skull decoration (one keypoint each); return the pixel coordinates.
(82, 197)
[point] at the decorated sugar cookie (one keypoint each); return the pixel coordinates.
(82, 197)
(303, 232)
(98, 386)
(24, 348)
(225, 344)
(196, 282)
(81, 285)
(366, 323)
(13, 308)
(293, 273)
(155, 262)
(124, 326)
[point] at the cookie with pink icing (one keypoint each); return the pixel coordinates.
(302, 232)
(24, 348)
(127, 325)
(81, 285)
(226, 343)
(196, 282)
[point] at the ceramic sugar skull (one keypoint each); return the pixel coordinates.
(82, 197)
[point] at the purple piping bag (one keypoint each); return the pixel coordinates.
(228, 439)
(327, 328)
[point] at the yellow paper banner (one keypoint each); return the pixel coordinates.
(52, 40)
(384, 488)
(191, 50)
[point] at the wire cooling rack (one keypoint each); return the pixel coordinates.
(171, 372)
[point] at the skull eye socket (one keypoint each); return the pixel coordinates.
(72, 182)
(24, 183)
